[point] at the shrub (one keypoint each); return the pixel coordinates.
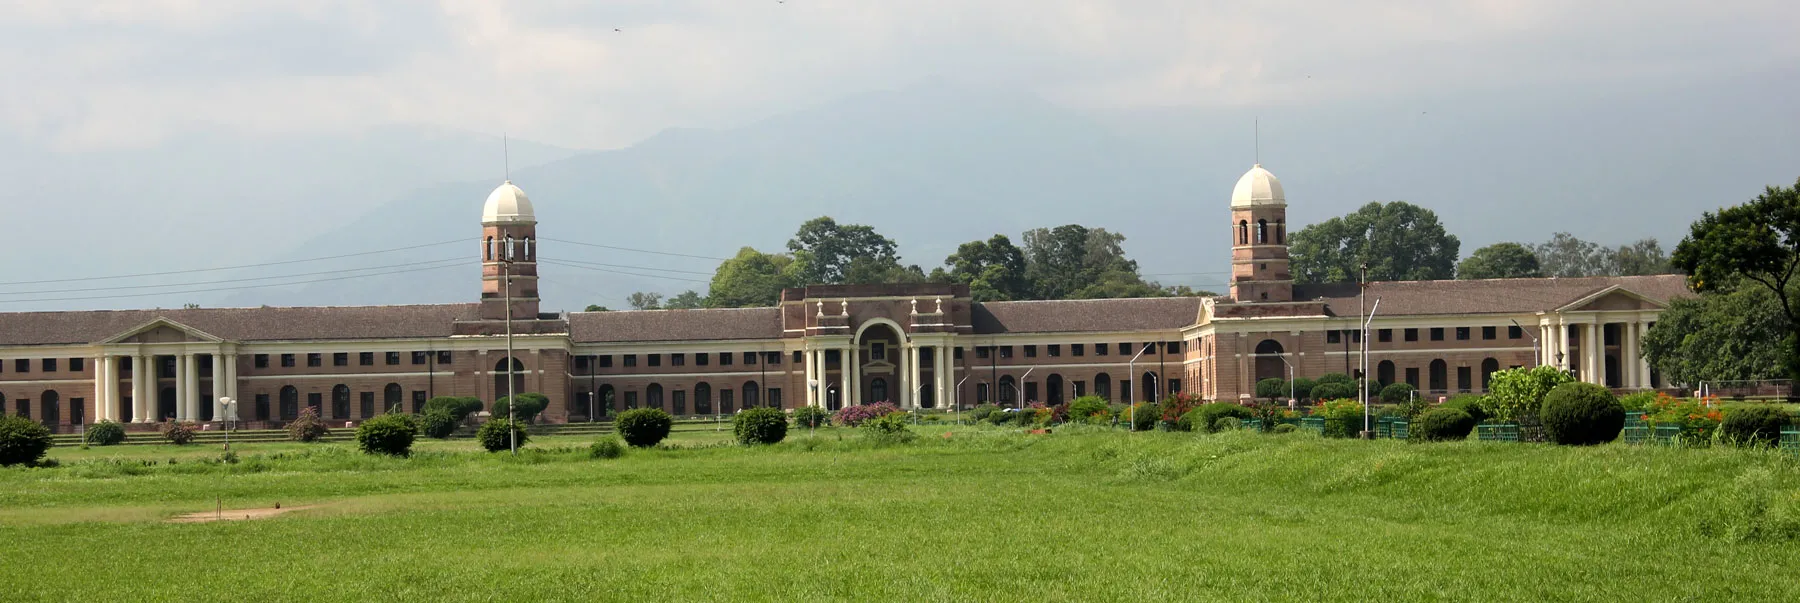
(1303, 388)
(1698, 421)
(1442, 424)
(1334, 390)
(391, 433)
(1332, 378)
(1398, 393)
(1176, 405)
(851, 416)
(458, 407)
(1228, 424)
(105, 433)
(643, 427)
(438, 423)
(1085, 408)
(1637, 401)
(1343, 418)
(1581, 414)
(308, 427)
(1754, 425)
(180, 433)
(1521, 391)
(1472, 405)
(761, 425)
(607, 448)
(1206, 417)
(888, 429)
(529, 405)
(981, 412)
(811, 416)
(1143, 416)
(1272, 388)
(1285, 428)
(499, 434)
(22, 440)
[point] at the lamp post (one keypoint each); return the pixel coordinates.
(956, 401)
(1290, 366)
(228, 416)
(1363, 387)
(512, 428)
(1130, 376)
(1537, 353)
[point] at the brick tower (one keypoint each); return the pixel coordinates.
(1259, 250)
(509, 247)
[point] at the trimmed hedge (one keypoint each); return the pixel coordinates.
(1442, 424)
(438, 423)
(1398, 393)
(497, 434)
(811, 417)
(458, 407)
(105, 433)
(22, 440)
(608, 448)
(1754, 426)
(1285, 428)
(1469, 404)
(1582, 414)
(1206, 417)
(643, 427)
(761, 425)
(530, 404)
(391, 434)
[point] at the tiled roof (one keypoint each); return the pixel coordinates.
(675, 325)
(1487, 296)
(1085, 315)
(241, 324)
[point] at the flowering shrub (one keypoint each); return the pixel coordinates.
(1698, 419)
(1088, 409)
(852, 416)
(180, 433)
(1178, 404)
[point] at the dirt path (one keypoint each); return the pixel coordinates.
(235, 514)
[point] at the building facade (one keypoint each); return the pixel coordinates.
(919, 346)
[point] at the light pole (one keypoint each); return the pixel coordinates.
(956, 401)
(1016, 390)
(1363, 387)
(1130, 376)
(1290, 366)
(228, 416)
(512, 428)
(1536, 353)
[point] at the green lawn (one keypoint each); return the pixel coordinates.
(982, 515)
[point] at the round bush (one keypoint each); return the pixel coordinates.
(438, 423)
(458, 407)
(1206, 417)
(1397, 393)
(1468, 404)
(390, 433)
(1083, 409)
(1334, 390)
(1754, 426)
(179, 433)
(1443, 424)
(1285, 428)
(530, 404)
(888, 429)
(22, 440)
(1582, 414)
(811, 417)
(1143, 416)
(494, 434)
(643, 427)
(981, 412)
(105, 433)
(1228, 424)
(762, 425)
(608, 448)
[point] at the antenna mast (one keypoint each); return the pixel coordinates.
(1257, 137)
(506, 154)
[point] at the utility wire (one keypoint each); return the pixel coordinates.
(193, 270)
(234, 280)
(598, 264)
(241, 287)
(667, 253)
(672, 278)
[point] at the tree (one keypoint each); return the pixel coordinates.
(1757, 242)
(831, 254)
(1566, 256)
(993, 269)
(1397, 241)
(644, 300)
(597, 308)
(686, 300)
(1722, 336)
(1500, 260)
(751, 279)
(1644, 257)
(1072, 261)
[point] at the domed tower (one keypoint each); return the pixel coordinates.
(508, 249)
(1259, 250)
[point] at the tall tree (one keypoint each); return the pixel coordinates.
(1500, 260)
(1567, 256)
(1644, 257)
(597, 308)
(1720, 336)
(1757, 242)
(1397, 241)
(1061, 262)
(686, 300)
(752, 278)
(993, 269)
(645, 300)
(831, 253)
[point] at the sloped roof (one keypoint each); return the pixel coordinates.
(675, 325)
(1491, 296)
(241, 324)
(1085, 315)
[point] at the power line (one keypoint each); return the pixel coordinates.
(238, 288)
(672, 278)
(232, 280)
(193, 270)
(587, 263)
(667, 253)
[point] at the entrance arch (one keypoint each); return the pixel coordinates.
(1269, 363)
(501, 370)
(1103, 386)
(1055, 384)
(605, 399)
(879, 348)
(47, 411)
(1149, 386)
(702, 398)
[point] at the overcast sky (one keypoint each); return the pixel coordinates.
(99, 74)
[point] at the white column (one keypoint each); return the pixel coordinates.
(854, 369)
(844, 376)
(143, 387)
(1562, 344)
(1628, 361)
(105, 386)
(1590, 353)
(231, 377)
(219, 387)
(1643, 362)
(914, 376)
(940, 374)
(824, 380)
(181, 387)
(903, 376)
(807, 358)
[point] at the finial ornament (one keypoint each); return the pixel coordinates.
(846, 307)
(915, 305)
(821, 309)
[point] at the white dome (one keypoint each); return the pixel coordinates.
(1258, 188)
(507, 204)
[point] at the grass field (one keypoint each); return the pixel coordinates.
(983, 515)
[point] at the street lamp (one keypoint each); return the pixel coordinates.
(228, 416)
(512, 428)
(1363, 387)
(956, 401)
(1022, 379)
(1290, 366)
(1537, 353)
(1130, 376)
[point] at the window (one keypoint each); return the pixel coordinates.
(418, 401)
(1124, 349)
(631, 361)
(316, 402)
(655, 359)
(315, 359)
(605, 361)
(725, 358)
(1077, 349)
(287, 360)
(1099, 349)
(799, 357)
(390, 397)
(774, 358)
(445, 357)
(677, 359)
(340, 359)
(1031, 351)
(958, 354)
(774, 397)
(725, 400)
(1440, 375)
(1464, 379)
(1174, 347)
(1437, 333)
(1334, 336)
(420, 357)
(701, 358)
(1054, 349)
(1384, 335)
(1412, 376)
(581, 364)
(393, 358)
(368, 404)
(1514, 333)
(262, 361)
(1174, 385)
(1462, 333)
(22, 365)
(77, 365)
(631, 400)
(981, 353)
(365, 358)
(749, 358)
(877, 350)
(340, 402)
(1031, 391)
(678, 402)
(49, 365)
(262, 407)
(1006, 351)
(1412, 334)
(1490, 333)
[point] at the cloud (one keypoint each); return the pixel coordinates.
(117, 73)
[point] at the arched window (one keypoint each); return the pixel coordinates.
(1440, 375)
(290, 403)
(1488, 368)
(1269, 361)
(340, 401)
(1149, 387)
(1384, 372)
(1262, 232)
(487, 251)
(1009, 390)
(1243, 232)
(752, 395)
(500, 374)
(653, 396)
(530, 249)
(878, 390)
(390, 398)
(702, 398)
(510, 250)
(725, 404)
(606, 398)
(1281, 232)
(678, 402)
(1055, 384)
(1103, 386)
(22, 407)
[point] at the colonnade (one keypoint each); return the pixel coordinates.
(906, 392)
(145, 394)
(1584, 351)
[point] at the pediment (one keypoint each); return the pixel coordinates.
(1614, 298)
(163, 330)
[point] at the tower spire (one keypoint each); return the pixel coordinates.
(1256, 154)
(506, 155)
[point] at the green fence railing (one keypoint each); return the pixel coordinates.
(1497, 432)
(1790, 441)
(1313, 424)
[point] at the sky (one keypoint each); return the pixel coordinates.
(109, 74)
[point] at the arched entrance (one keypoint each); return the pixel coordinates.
(702, 398)
(752, 395)
(1384, 372)
(653, 396)
(878, 390)
(1269, 363)
(47, 410)
(340, 401)
(1149, 387)
(1055, 384)
(165, 404)
(290, 402)
(606, 399)
(501, 371)
(1488, 368)
(1009, 390)
(878, 356)
(1440, 376)
(1103, 386)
